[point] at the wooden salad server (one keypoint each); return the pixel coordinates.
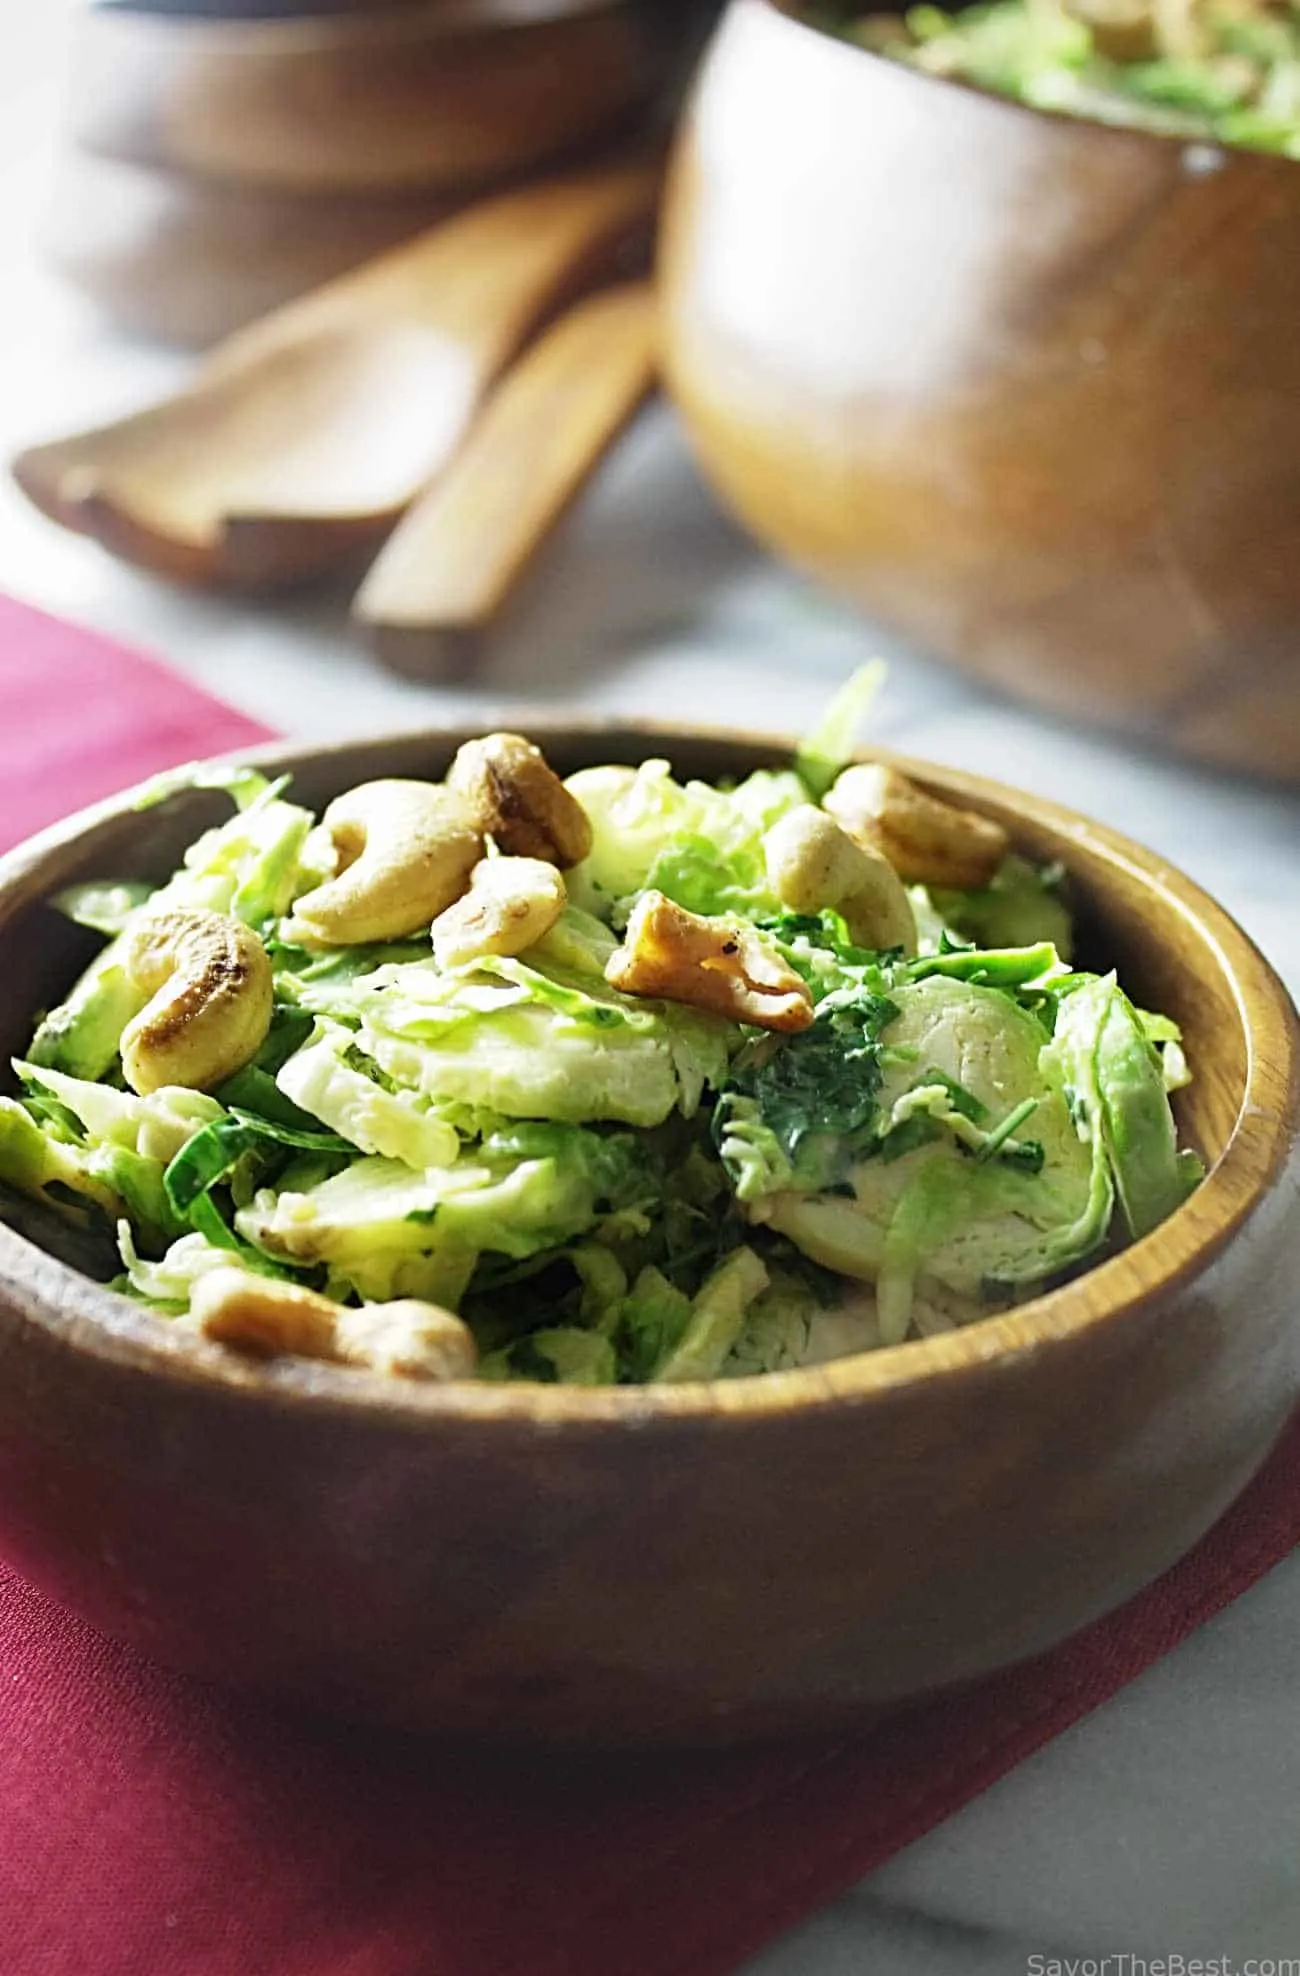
(450, 564)
(311, 431)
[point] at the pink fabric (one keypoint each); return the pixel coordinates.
(81, 717)
(151, 1825)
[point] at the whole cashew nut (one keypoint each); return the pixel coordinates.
(812, 863)
(267, 1317)
(209, 980)
(515, 796)
(510, 905)
(927, 841)
(1125, 30)
(715, 964)
(406, 851)
(407, 1339)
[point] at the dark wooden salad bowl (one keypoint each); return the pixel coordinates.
(668, 1564)
(1025, 388)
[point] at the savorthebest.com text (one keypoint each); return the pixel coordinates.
(1125, 1963)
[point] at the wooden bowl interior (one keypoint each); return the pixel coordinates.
(1126, 918)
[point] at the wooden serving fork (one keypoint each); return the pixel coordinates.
(311, 432)
(449, 566)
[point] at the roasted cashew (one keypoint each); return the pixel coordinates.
(813, 863)
(1122, 30)
(209, 980)
(265, 1316)
(262, 1315)
(408, 1339)
(406, 850)
(714, 964)
(927, 841)
(510, 904)
(515, 795)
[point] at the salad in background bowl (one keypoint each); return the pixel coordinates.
(602, 1081)
(1226, 72)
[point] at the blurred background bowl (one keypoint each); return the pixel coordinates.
(189, 262)
(248, 9)
(1027, 389)
(225, 156)
(400, 97)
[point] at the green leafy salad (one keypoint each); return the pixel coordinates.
(1224, 70)
(603, 1081)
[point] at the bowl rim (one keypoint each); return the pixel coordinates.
(90, 1320)
(1225, 156)
(306, 36)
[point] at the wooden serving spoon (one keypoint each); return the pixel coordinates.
(450, 564)
(311, 431)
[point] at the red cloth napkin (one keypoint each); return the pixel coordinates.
(151, 1825)
(81, 718)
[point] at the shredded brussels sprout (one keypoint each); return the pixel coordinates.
(606, 1187)
(1223, 70)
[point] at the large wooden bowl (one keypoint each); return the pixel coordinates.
(420, 97)
(1027, 389)
(684, 1563)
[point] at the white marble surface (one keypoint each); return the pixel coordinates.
(1169, 1822)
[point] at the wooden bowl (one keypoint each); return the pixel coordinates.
(189, 262)
(411, 97)
(684, 1563)
(251, 9)
(1025, 388)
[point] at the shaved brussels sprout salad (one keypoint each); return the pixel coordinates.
(650, 1108)
(1223, 70)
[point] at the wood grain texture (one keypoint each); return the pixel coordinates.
(309, 432)
(450, 565)
(189, 262)
(1024, 387)
(265, 10)
(408, 98)
(679, 1564)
